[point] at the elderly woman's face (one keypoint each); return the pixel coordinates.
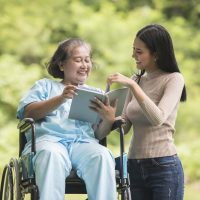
(77, 67)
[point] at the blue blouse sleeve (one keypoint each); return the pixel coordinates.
(38, 92)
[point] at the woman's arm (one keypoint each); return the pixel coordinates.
(38, 110)
(103, 129)
(156, 114)
(128, 124)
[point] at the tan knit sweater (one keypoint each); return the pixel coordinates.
(154, 119)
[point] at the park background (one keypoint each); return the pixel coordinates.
(31, 30)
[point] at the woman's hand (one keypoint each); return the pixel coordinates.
(119, 78)
(132, 84)
(105, 110)
(68, 92)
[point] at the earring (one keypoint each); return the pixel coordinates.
(61, 68)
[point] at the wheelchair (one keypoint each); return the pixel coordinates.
(18, 177)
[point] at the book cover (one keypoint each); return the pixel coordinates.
(80, 109)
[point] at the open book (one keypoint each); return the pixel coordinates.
(80, 107)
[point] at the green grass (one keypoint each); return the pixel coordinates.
(192, 192)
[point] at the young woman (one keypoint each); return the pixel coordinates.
(62, 143)
(151, 108)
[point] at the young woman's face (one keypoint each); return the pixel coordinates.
(144, 59)
(77, 67)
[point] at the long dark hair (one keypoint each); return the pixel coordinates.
(158, 41)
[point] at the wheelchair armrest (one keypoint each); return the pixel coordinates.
(23, 126)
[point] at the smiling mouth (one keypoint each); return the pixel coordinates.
(82, 73)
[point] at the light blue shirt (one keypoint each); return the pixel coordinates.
(56, 125)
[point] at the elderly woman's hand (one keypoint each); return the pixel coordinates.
(68, 92)
(105, 109)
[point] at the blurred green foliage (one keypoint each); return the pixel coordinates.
(31, 30)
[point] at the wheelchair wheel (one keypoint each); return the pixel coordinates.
(6, 184)
(16, 178)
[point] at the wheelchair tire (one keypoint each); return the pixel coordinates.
(6, 184)
(16, 179)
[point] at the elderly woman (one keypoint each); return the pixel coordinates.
(63, 143)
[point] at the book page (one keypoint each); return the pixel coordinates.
(119, 94)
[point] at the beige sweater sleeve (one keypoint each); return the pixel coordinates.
(157, 114)
(128, 123)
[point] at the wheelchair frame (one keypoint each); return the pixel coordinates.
(18, 177)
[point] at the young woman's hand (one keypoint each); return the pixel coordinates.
(119, 78)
